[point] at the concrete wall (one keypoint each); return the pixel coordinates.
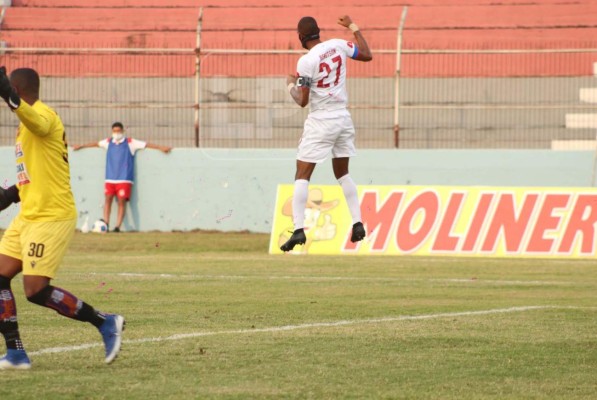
(257, 112)
(235, 189)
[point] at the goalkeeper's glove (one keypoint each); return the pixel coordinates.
(7, 92)
(8, 196)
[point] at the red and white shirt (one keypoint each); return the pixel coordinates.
(325, 66)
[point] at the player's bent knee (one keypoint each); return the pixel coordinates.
(39, 297)
(340, 175)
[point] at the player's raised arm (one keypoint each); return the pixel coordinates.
(37, 123)
(364, 53)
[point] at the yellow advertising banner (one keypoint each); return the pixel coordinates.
(446, 221)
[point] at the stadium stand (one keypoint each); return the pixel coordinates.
(470, 24)
(530, 78)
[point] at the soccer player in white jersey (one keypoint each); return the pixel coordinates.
(321, 80)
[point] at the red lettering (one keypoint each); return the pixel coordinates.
(477, 223)
(581, 223)
(546, 221)
(375, 219)
(444, 241)
(406, 240)
(505, 220)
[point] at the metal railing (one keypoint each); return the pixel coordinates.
(160, 96)
(408, 97)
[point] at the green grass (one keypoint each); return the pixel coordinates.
(222, 283)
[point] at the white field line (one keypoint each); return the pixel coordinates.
(503, 282)
(328, 278)
(408, 260)
(286, 328)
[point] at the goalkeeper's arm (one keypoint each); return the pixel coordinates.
(8, 196)
(37, 123)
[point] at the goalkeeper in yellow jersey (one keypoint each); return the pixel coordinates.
(38, 237)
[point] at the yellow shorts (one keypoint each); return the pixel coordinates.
(39, 245)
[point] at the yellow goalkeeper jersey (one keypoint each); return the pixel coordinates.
(43, 173)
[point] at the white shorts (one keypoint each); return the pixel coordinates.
(324, 132)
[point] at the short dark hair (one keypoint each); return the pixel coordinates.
(118, 125)
(307, 26)
(26, 80)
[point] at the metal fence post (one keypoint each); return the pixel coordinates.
(198, 76)
(397, 79)
(594, 170)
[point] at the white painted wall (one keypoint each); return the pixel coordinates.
(195, 188)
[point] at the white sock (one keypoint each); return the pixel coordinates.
(352, 197)
(299, 202)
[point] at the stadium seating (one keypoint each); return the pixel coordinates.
(267, 24)
(271, 24)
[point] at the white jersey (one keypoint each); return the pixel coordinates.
(325, 66)
(134, 144)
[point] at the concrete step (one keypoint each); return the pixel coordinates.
(582, 121)
(588, 95)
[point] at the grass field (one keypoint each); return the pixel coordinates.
(213, 316)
